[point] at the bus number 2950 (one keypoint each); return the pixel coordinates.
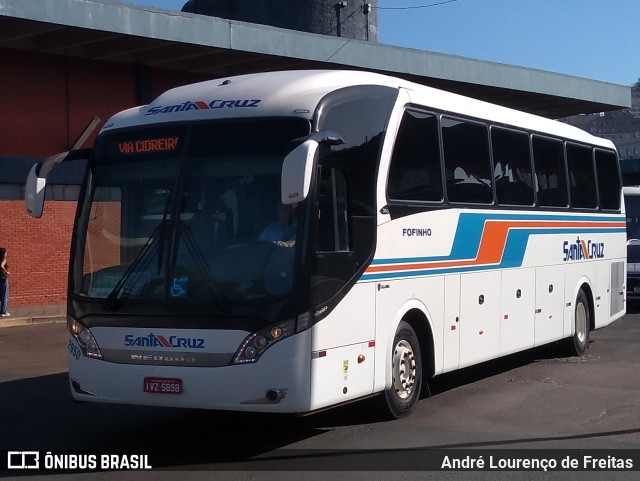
(74, 350)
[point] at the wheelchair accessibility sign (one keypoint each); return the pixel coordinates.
(179, 287)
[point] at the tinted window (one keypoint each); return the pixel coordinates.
(582, 179)
(346, 197)
(333, 212)
(334, 262)
(466, 160)
(608, 179)
(512, 167)
(415, 172)
(359, 115)
(632, 208)
(548, 157)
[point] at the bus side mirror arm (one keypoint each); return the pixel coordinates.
(298, 166)
(37, 179)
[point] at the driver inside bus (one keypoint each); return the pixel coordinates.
(282, 231)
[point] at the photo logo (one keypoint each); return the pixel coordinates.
(23, 460)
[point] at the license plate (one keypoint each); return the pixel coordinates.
(162, 385)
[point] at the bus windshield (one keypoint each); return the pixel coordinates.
(188, 213)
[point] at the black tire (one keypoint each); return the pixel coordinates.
(406, 370)
(579, 342)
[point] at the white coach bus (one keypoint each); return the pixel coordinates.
(290, 241)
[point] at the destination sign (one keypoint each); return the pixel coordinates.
(143, 146)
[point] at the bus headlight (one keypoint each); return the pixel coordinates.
(257, 342)
(84, 337)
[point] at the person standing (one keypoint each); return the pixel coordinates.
(4, 282)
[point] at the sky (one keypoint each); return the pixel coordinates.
(594, 39)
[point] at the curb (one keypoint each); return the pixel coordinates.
(30, 321)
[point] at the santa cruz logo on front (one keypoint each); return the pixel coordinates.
(582, 250)
(201, 105)
(155, 340)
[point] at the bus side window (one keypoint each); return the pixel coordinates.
(582, 179)
(607, 168)
(512, 172)
(551, 183)
(335, 259)
(333, 212)
(415, 172)
(467, 163)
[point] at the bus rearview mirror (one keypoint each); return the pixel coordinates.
(34, 192)
(296, 172)
(35, 187)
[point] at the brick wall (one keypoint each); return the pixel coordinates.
(46, 113)
(42, 115)
(37, 252)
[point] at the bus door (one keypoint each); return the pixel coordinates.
(602, 299)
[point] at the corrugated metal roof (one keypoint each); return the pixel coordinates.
(109, 30)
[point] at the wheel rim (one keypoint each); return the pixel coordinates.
(581, 323)
(404, 369)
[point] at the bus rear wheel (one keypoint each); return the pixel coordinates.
(579, 343)
(406, 372)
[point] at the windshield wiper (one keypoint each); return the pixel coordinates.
(201, 264)
(112, 301)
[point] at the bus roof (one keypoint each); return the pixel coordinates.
(296, 93)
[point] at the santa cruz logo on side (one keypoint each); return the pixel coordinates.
(582, 250)
(155, 340)
(201, 105)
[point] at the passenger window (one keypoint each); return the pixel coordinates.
(415, 172)
(582, 179)
(512, 167)
(466, 161)
(551, 183)
(608, 171)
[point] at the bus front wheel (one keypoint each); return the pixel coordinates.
(406, 372)
(580, 341)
